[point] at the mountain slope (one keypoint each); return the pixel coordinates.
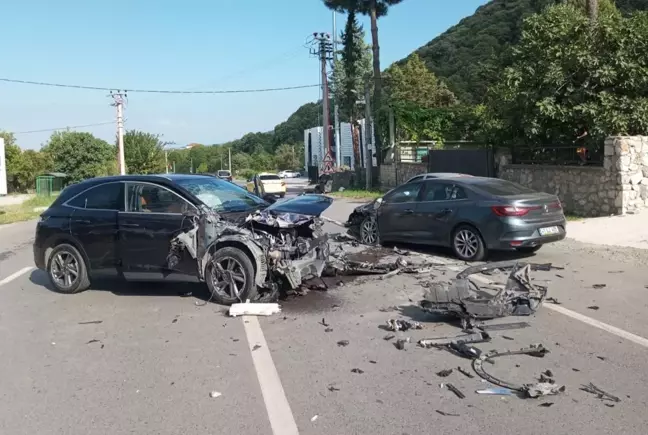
(469, 54)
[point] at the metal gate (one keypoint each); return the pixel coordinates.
(478, 162)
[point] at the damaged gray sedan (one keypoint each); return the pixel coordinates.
(181, 228)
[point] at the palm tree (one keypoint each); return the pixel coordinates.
(374, 9)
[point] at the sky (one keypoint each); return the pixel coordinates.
(187, 45)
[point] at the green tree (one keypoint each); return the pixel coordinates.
(80, 155)
(352, 70)
(557, 84)
(240, 162)
(289, 157)
(143, 152)
(374, 9)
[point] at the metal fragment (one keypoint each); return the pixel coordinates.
(496, 391)
(601, 394)
(465, 372)
(537, 351)
(447, 414)
(456, 391)
(444, 373)
(402, 325)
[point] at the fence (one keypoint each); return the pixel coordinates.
(570, 155)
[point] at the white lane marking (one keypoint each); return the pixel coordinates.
(600, 325)
(587, 320)
(15, 275)
(279, 412)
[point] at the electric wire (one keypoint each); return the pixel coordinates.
(66, 127)
(155, 91)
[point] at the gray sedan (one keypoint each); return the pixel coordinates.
(471, 215)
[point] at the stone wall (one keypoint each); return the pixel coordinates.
(391, 175)
(620, 186)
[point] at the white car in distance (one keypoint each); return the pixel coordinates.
(289, 174)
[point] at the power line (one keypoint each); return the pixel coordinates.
(155, 91)
(64, 128)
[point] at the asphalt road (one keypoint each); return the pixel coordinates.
(150, 359)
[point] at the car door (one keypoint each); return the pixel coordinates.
(440, 203)
(396, 214)
(93, 222)
(154, 215)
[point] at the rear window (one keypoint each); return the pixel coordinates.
(223, 173)
(269, 177)
(502, 188)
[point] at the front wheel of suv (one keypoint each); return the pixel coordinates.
(67, 269)
(230, 276)
(467, 244)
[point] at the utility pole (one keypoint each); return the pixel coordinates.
(229, 158)
(324, 51)
(368, 136)
(592, 10)
(118, 101)
(336, 108)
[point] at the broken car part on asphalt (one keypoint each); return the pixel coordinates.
(465, 299)
(402, 325)
(603, 395)
(255, 256)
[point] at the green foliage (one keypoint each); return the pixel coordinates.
(80, 155)
(557, 84)
(143, 152)
(352, 70)
(289, 157)
(22, 166)
(471, 54)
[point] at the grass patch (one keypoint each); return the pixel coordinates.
(573, 218)
(24, 211)
(357, 194)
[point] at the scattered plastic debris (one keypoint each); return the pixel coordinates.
(473, 337)
(314, 418)
(444, 373)
(506, 337)
(91, 341)
(214, 394)
(328, 330)
(358, 371)
(92, 322)
(323, 322)
(256, 347)
(343, 343)
(333, 388)
(388, 337)
(536, 350)
(401, 342)
(447, 414)
(593, 307)
(465, 372)
(495, 391)
(402, 325)
(546, 404)
(598, 286)
(456, 391)
(603, 395)
(553, 301)
(543, 389)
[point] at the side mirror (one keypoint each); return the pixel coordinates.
(378, 203)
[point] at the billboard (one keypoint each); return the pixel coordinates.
(3, 169)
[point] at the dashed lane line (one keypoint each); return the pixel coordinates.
(637, 339)
(15, 275)
(280, 415)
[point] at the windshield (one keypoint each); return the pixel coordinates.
(221, 195)
(269, 177)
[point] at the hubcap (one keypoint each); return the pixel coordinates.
(64, 269)
(228, 277)
(369, 232)
(466, 243)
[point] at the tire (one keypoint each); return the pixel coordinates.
(282, 195)
(368, 236)
(467, 243)
(242, 267)
(529, 249)
(61, 266)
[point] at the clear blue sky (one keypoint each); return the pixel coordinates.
(186, 45)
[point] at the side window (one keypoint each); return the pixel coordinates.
(435, 191)
(415, 179)
(149, 198)
(108, 196)
(405, 193)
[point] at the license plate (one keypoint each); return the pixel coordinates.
(549, 231)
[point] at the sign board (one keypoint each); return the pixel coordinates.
(3, 169)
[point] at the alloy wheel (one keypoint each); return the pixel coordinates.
(466, 243)
(64, 269)
(369, 231)
(228, 277)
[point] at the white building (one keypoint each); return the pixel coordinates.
(314, 149)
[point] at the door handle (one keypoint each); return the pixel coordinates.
(446, 210)
(408, 211)
(83, 221)
(130, 225)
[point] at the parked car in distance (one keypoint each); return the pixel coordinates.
(224, 175)
(289, 174)
(266, 183)
(431, 175)
(471, 215)
(140, 227)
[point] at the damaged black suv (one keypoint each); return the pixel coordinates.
(181, 228)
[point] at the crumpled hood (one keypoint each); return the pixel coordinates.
(310, 205)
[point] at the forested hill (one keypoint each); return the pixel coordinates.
(469, 54)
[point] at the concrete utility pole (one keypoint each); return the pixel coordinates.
(324, 51)
(336, 108)
(229, 158)
(367, 136)
(592, 10)
(118, 101)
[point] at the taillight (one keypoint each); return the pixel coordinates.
(556, 204)
(510, 210)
